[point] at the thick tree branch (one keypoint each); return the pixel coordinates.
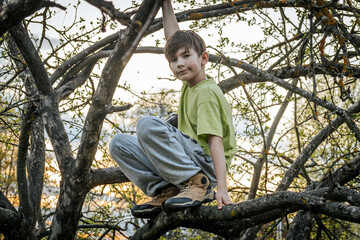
(25, 207)
(9, 222)
(74, 188)
(15, 11)
(36, 166)
(32, 59)
(213, 220)
(302, 223)
(299, 228)
(68, 88)
(108, 82)
(53, 4)
(106, 176)
(66, 65)
(5, 203)
(350, 123)
(49, 100)
(344, 174)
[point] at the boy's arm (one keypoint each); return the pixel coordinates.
(169, 20)
(219, 161)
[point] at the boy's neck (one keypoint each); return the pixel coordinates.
(194, 82)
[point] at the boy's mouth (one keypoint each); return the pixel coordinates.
(182, 72)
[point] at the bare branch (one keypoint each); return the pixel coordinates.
(49, 99)
(106, 176)
(25, 207)
(53, 4)
(120, 108)
(310, 148)
(68, 88)
(109, 9)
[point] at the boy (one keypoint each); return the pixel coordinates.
(161, 159)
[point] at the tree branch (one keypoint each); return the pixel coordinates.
(25, 207)
(310, 148)
(49, 100)
(109, 9)
(246, 214)
(53, 4)
(350, 123)
(302, 223)
(264, 152)
(36, 165)
(65, 90)
(9, 220)
(15, 11)
(108, 82)
(106, 176)
(74, 188)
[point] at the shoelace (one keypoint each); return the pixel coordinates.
(186, 188)
(160, 196)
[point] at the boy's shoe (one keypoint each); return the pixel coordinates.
(154, 206)
(197, 190)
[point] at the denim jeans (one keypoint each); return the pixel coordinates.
(159, 156)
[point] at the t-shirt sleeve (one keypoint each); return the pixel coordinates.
(209, 120)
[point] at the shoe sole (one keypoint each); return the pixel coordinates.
(172, 207)
(146, 213)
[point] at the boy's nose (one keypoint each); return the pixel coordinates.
(180, 63)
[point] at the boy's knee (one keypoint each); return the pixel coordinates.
(118, 139)
(148, 125)
(145, 122)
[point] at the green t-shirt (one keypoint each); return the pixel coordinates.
(203, 111)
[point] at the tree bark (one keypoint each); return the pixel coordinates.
(233, 219)
(73, 192)
(15, 11)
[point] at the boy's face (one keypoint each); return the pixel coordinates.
(188, 66)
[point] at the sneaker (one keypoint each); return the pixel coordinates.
(153, 207)
(197, 190)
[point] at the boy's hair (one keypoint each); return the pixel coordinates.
(184, 38)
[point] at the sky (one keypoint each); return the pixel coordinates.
(143, 70)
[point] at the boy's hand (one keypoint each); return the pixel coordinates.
(222, 198)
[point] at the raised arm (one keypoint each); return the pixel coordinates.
(170, 23)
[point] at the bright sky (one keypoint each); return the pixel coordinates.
(143, 69)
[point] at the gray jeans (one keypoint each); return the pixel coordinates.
(159, 156)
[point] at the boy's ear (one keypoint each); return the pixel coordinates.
(204, 58)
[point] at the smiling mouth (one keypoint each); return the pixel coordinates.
(182, 72)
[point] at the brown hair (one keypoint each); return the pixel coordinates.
(184, 38)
